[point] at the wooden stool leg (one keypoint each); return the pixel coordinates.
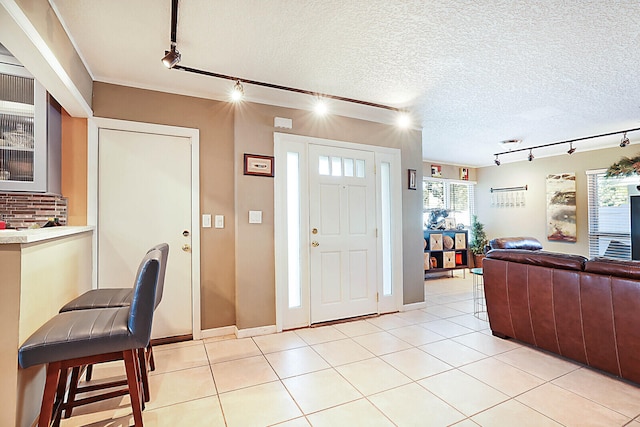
(73, 388)
(142, 360)
(131, 366)
(87, 375)
(152, 362)
(49, 395)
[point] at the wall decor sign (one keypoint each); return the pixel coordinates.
(561, 207)
(436, 171)
(412, 179)
(258, 165)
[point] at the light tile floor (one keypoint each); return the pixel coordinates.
(437, 366)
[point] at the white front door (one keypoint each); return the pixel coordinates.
(342, 226)
(144, 198)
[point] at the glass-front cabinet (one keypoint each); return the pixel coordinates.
(23, 131)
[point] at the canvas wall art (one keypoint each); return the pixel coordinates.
(561, 207)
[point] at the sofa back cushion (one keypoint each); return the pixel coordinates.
(613, 267)
(529, 243)
(540, 258)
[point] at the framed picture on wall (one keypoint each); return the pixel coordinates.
(436, 171)
(258, 165)
(464, 174)
(412, 179)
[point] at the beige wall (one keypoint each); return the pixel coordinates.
(448, 171)
(238, 266)
(215, 123)
(9, 315)
(531, 219)
(255, 266)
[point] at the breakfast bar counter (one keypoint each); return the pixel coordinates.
(40, 271)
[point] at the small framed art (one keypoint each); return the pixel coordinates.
(436, 171)
(464, 174)
(412, 179)
(258, 165)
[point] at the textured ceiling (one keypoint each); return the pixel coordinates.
(472, 73)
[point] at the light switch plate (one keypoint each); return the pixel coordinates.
(219, 221)
(206, 221)
(255, 217)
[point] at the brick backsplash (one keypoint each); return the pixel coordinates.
(25, 209)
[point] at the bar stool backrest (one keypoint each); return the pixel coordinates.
(164, 249)
(144, 296)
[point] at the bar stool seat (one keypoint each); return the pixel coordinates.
(81, 337)
(119, 297)
(100, 298)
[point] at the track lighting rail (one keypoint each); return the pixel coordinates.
(568, 141)
(286, 88)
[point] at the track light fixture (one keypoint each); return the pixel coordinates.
(625, 141)
(171, 57)
(237, 93)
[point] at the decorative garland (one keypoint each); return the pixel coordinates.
(627, 166)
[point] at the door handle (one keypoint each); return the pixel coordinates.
(315, 244)
(186, 247)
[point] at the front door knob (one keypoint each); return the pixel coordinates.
(315, 244)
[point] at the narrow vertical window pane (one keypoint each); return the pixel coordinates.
(385, 196)
(359, 168)
(336, 166)
(348, 167)
(293, 228)
(323, 165)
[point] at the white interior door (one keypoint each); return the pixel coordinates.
(342, 223)
(144, 198)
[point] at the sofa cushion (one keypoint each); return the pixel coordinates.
(539, 258)
(614, 267)
(529, 243)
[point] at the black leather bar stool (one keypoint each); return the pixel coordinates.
(82, 337)
(119, 297)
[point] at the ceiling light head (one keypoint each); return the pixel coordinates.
(571, 149)
(237, 93)
(497, 161)
(530, 155)
(321, 107)
(625, 141)
(404, 120)
(171, 57)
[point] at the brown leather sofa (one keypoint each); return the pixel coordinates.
(585, 310)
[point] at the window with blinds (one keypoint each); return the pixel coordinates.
(457, 197)
(609, 215)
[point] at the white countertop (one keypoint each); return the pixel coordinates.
(40, 234)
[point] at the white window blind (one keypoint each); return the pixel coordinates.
(455, 196)
(609, 215)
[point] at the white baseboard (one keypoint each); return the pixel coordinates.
(252, 332)
(218, 332)
(414, 306)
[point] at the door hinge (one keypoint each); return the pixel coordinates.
(377, 296)
(376, 233)
(375, 169)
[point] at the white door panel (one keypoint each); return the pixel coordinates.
(343, 278)
(144, 198)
